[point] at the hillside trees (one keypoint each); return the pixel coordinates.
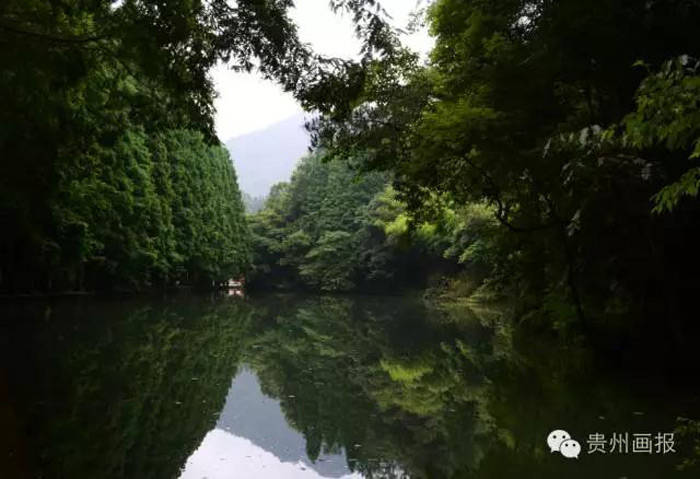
(103, 104)
(148, 211)
(105, 183)
(313, 231)
(541, 110)
(332, 229)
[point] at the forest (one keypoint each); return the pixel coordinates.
(547, 153)
(330, 229)
(483, 242)
(546, 156)
(110, 179)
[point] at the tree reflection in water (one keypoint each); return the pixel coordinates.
(132, 389)
(460, 393)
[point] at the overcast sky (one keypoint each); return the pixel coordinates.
(247, 103)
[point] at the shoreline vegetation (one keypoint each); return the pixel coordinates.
(547, 155)
(535, 181)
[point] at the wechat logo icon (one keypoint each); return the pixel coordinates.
(560, 441)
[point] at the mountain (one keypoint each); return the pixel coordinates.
(268, 156)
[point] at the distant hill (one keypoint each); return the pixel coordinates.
(265, 157)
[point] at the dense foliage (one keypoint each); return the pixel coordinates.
(110, 173)
(331, 229)
(577, 122)
(102, 101)
(566, 121)
(314, 230)
(148, 211)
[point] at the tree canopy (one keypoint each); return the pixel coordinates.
(575, 121)
(105, 101)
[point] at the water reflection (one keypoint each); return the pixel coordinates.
(312, 387)
(114, 389)
(253, 439)
(408, 392)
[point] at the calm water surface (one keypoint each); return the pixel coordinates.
(315, 387)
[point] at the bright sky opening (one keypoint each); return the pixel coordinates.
(247, 102)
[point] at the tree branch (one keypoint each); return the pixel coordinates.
(51, 38)
(493, 192)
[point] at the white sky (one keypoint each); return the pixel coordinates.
(247, 103)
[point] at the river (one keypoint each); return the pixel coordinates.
(293, 386)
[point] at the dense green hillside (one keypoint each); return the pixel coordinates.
(573, 126)
(577, 122)
(333, 229)
(548, 152)
(110, 176)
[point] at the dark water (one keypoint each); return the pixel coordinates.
(318, 387)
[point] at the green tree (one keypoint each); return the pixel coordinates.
(538, 110)
(85, 83)
(313, 232)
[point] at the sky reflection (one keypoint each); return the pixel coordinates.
(252, 439)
